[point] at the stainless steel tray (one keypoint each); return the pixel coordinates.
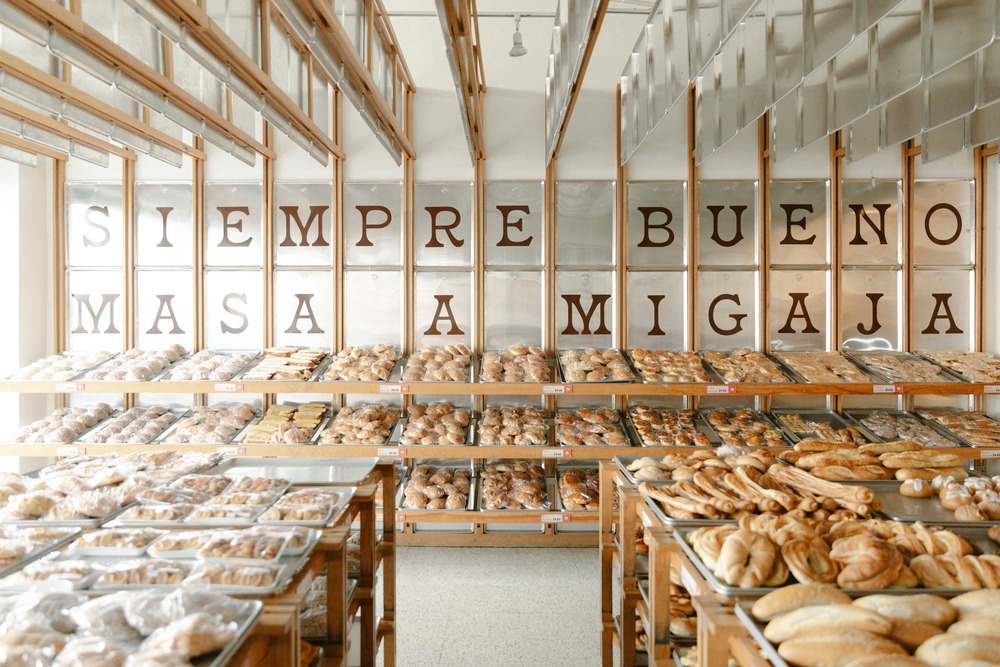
(798, 377)
(562, 372)
(927, 430)
(994, 440)
(71, 374)
(302, 471)
(470, 503)
(730, 413)
(623, 463)
(864, 359)
(548, 435)
(780, 367)
(548, 501)
(928, 510)
(548, 363)
(674, 639)
(756, 631)
(708, 370)
(470, 435)
(927, 354)
(701, 428)
(38, 552)
(316, 373)
(69, 523)
(245, 622)
(563, 467)
(394, 373)
(470, 371)
(670, 521)
(254, 357)
(820, 417)
(329, 421)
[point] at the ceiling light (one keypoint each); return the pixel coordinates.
(518, 48)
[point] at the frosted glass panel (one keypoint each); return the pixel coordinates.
(756, 88)
(728, 94)
(871, 220)
(676, 34)
(657, 310)
(727, 223)
(786, 48)
(585, 223)
(943, 223)
(657, 225)
(943, 310)
(800, 309)
(514, 312)
(958, 29)
(945, 140)
(984, 125)
(784, 117)
(585, 308)
(799, 222)
(515, 223)
(443, 224)
(373, 307)
(94, 224)
(813, 123)
(96, 310)
(233, 224)
(373, 224)
(303, 308)
(871, 309)
(706, 31)
(234, 310)
(164, 219)
(851, 98)
(727, 309)
(832, 25)
(949, 94)
(165, 308)
(991, 74)
(303, 224)
(864, 136)
(904, 117)
(899, 51)
(442, 308)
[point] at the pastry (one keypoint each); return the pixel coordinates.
(436, 424)
(667, 366)
(915, 488)
(518, 363)
(361, 425)
(439, 364)
(191, 636)
(832, 617)
(513, 425)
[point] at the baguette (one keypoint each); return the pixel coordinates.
(844, 457)
(829, 617)
(794, 596)
(826, 648)
(922, 459)
(930, 473)
(911, 634)
(947, 650)
(842, 472)
(812, 445)
(919, 607)
(895, 447)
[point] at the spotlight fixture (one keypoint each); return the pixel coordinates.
(518, 48)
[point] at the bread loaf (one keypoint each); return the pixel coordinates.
(921, 459)
(887, 661)
(828, 648)
(831, 617)
(978, 602)
(918, 607)
(895, 447)
(986, 623)
(948, 650)
(794, 596)
(911, 634)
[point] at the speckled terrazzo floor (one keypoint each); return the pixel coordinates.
(485, 607)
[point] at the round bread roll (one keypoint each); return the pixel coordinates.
(947, 650)
(954, 496)
(991, 509)
(919, 608)
(915, 488)
(824, 648)
(970, 512)
(791, 597)
(831, 617)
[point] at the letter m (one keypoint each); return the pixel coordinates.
(315, 215)
(597, 304)
(107, 303)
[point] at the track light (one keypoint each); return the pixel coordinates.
(518, 48)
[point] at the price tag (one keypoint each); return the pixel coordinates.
(989, 453)
(721, 389)
(71, 451)
(400, 517)
(557, 389)
(69, 386)
(556, 517)
(390, 389)
(689, 582)
(392, 451)
(232, 451)
(887, 389)
(229, 386)
(991, 389)
(557, 453)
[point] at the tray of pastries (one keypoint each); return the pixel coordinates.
(899, 459)
(513, 425)
(436, 424)
(809, 625)
(63, 425)
(892, 425)
(437, 487)
(513, 485)
(822, 424)
(683, 466)
(160, 516)
(84, 508)
(971, 366)
(136, 365)
(593, 365)
(900, 367)
(518, 363)
(370, 424)
(75, 574)
(135, 426)
(744, 427)
(298, 539)
(300, 470)
(242, 546)
(818, 367)
(61, 367)
(216, 424)
(115, 542)
(664, 427)
(363, 364)
(451, 363)
(598, 427)
(284, 363)
(298, 515)
(209, 365)
(973, 428)
(308, 505)
(183, 544)
(122, 574)
(20, 546)
(943, 501)
(669, 366)
(212, 485)
(579, 488)
(744, 365)
(286, 423)
(239, 578)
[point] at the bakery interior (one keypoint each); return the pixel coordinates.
(663, 331)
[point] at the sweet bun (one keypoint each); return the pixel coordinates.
(994, 533)
(970, 512)
(915, 488)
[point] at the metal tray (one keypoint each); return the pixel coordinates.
(38, 552)
(700, 426)
(670, 521)
(344, 495)
(163, 438)
(928, 510)
(302, 471)
(713, 377)
(68, 523)
(758, 416)
(623, 463)
(548, 363)
(394, 373)
(926, 354)
(563, 467)
(316, 372)
(562, 373)
(470, 370)
(470, 435)
(944, 439)
(925, 414)
(618, 426)
(328, 422)
(254, 357)
(548, 501)
(470, 503)
(674, 639)
(859, 358)
(821, 417)
(771, 358)
(548, 435)
(245, 431)
(798, 377)
(73, 374)
(756, 631)
(94, 432)
(244, 623)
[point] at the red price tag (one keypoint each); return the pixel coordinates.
(400, 518)
(229, 386)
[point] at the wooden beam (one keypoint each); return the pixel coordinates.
(461, 26)
(27, 145)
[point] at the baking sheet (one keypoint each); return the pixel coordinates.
(470, 372)
(701, 428)
(721, 374)
(316, 372)
(669, 520)
(798, 377)
(68, 523)
(928, 510)
(548, 501)
(925, 429)
(470, 503)
(740, 433)
(39, 551)
(548, 364)
(394, 373)
(623, 463)
(302, 471)
(989, 378)
(991, 432)
(712, 376)
(562, 372)
(470, 435)
(253, 356)
(756, 631)
(827, 417)
(672, 638)
(858, 357)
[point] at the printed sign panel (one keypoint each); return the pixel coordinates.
(234, 310)
(657, 310)
(373, 224)
(94, 234)
(944, 223)
(727, 310)
(164, 308)
(800, 224)
(164, 220)
(800, 310)
(96, 310)
(303, 308)
(442, 312)
(515, 223)
(657, 224)
(943, 310)
(870, 223)
(443, 225)
(585, 223)
(303, 224)
(373, 307)
(585, 308)
(233, 224)
(871, 309)
(514, 312)
(727, 223)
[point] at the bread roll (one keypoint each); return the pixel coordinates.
(826, 648)
(919, 607)
(986, 623)
(948, 650)
(792, 597)
(970, 512)
(830, 617)
(915, 488)
(978, 602)
(887, 661)
(921, 459)
(911, 634)
(879, 448)
(994, 533)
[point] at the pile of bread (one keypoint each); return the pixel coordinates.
(579, 488)
(61, 367)
(888, 426)
(744, 365)
(897, 368)
(814, 426)
(214, 424)
(136, 365)
(900, 459)
(436, 424)
(437, 488)
(593, 365)
(659, 427)
(513, 425)
(136, 426)
(744, 427)
(976, 428)
(286, 363)
(514, 485)
(976, 366)
(439, 364)
(590, 426)
(286, 424)
(668, 365)
(210, 365)
(63, 425)
(715, 463)
(363, 364)
(815, 625)
(974, 499)
(823, 367)
(518, 363)
(362, 425)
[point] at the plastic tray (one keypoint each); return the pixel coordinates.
(301, 471)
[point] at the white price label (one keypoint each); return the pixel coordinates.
(887, 389)
(69, 386)
(557, 389)
(557, 453)
(71, 451)
(689, 582)
(232, 451)
(229, 386)
(989, 453)
(390, 389)
(392, 451)
(556, 518)
(991, 389)
(721, 389)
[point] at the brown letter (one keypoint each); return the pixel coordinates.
(860, 212)
(365, 210)
(598, 301)
(801, 222)
(434, 210)
(444, 304)
(292, 212)
(238, 225)
(737, 319)
(656, 330)
(798, 300)
(737, 235)
(875, 326)
(941, 303)
(165, 305)
(516, 224)
(304, 305)
(647, 212)
(958, 224)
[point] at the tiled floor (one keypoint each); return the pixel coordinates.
(488, 607)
